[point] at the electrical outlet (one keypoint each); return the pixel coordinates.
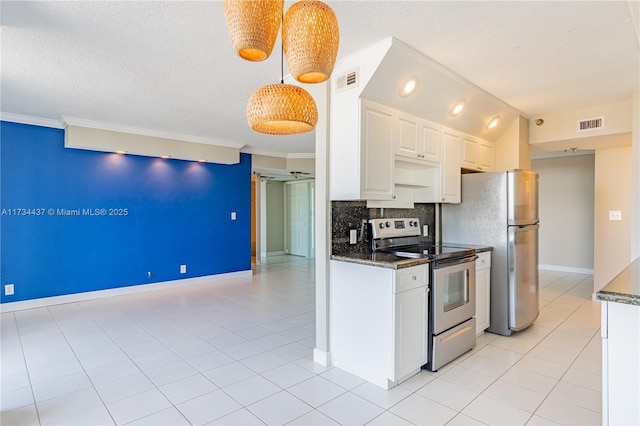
(8, 289)
(183, 269)
(233, 215)
(353, 236)
(615, 215)
(425, 230)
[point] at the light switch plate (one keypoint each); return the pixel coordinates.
(8, 289)
(353, 236)
(183, 269)
(233, 215)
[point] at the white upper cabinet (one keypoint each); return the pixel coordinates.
(486, 156)
(377, 152)
(408, 135)
(477, 154)
(417, 139)
(430, 138)
(450, 167)
(362, 152)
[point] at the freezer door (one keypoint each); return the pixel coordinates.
(522, 197)
(522, 259)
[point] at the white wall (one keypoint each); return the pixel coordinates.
(566, 204)
(613, 187)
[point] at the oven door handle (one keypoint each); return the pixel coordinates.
(453, 262)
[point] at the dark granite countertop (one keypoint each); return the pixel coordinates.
(476, 247)
(386, 260)
(625, 287)
(381, 260)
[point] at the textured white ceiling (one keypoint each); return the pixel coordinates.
(169, 66)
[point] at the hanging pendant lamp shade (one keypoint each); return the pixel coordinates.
(253, 26)
(282, 109)
(310, 36)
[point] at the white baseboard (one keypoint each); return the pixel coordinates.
(120, 291)
(322, 357)
(566, 269)
(275, 253)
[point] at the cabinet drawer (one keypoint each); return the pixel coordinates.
(409, 278)
(484, 260)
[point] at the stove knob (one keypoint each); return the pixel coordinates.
(412, 223)
(381, 225)
(387, 224)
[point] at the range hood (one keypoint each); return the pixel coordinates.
(378, 72)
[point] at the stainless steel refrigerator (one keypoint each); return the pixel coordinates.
(500, 209)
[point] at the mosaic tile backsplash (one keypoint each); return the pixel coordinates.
(347, 215)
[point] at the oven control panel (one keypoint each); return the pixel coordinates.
(394, 227)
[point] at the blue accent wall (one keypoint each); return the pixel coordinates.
(95, 221)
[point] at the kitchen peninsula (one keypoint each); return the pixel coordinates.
(621, 347)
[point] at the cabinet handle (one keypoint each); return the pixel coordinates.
(443, 198)
(414, 277)
(393, 196)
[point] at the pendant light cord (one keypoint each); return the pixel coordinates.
(282, 48)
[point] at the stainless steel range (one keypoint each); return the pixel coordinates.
(452, 302)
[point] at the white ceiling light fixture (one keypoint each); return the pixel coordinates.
(493, 123)
(409, 86)
(457, 109)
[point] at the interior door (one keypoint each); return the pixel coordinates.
(298, 210)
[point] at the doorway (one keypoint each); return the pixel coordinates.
(299, 229)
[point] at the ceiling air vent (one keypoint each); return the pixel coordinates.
(347, 80)
(590, 124)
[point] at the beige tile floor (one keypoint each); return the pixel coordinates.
(238, 352)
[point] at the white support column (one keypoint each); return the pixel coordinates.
(321, 94)
(635, 185)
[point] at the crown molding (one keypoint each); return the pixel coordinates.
(80, 122)
(265, 152)
(268, 153)
(35, 121)
(303, 155)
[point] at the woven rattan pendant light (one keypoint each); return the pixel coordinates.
(253, 26)
(310, 37)
(282, 109)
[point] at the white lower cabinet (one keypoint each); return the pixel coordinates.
(483, 292)
(620, 332)
(410, 330)
(378, 321)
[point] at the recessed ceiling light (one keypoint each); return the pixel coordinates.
(202, 161)
(493, 123)
(457, 109)
(121, 152)
(409, 86)
(165, 156)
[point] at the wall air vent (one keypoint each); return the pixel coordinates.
(590, 124)
(347, 80)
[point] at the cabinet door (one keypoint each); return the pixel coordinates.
(469, 153)
(483, 289)
(410, 330)
(407, 136)
(377, 152)
(486, 156)
(450, 168)
(430, 141)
